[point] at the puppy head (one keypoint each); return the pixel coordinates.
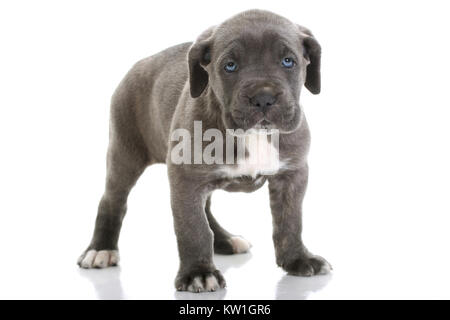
(256, 64)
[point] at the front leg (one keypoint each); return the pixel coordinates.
(197, 272)
(287, 190)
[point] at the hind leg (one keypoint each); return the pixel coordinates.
(224, 242)
(123, 170)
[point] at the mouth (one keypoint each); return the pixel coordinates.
(264, 124)
(279, 117)
(255, 120)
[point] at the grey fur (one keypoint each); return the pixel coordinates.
(170, 90)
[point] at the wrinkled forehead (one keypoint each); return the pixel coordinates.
(256, 38)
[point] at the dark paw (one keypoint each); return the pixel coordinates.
(200, 281)
(307, 266)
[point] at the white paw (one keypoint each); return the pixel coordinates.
(98, 259)
(200, 281)
(325, 269)
(240, 245)
(197, 285)
(209, 284)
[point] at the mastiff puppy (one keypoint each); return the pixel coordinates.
(244, 74)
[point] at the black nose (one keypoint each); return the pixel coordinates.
(263, 99)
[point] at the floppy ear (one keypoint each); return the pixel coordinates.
(312, 52)
(199, 56)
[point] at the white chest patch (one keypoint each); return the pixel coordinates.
(261, 157)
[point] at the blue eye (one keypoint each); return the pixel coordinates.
(287, 62)
(230, 67)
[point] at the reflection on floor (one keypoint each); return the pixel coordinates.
(107, 282)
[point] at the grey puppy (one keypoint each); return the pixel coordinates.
(244, 73)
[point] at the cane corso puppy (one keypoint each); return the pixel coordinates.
(244, 74)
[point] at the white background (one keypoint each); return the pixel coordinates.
(377, 205)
